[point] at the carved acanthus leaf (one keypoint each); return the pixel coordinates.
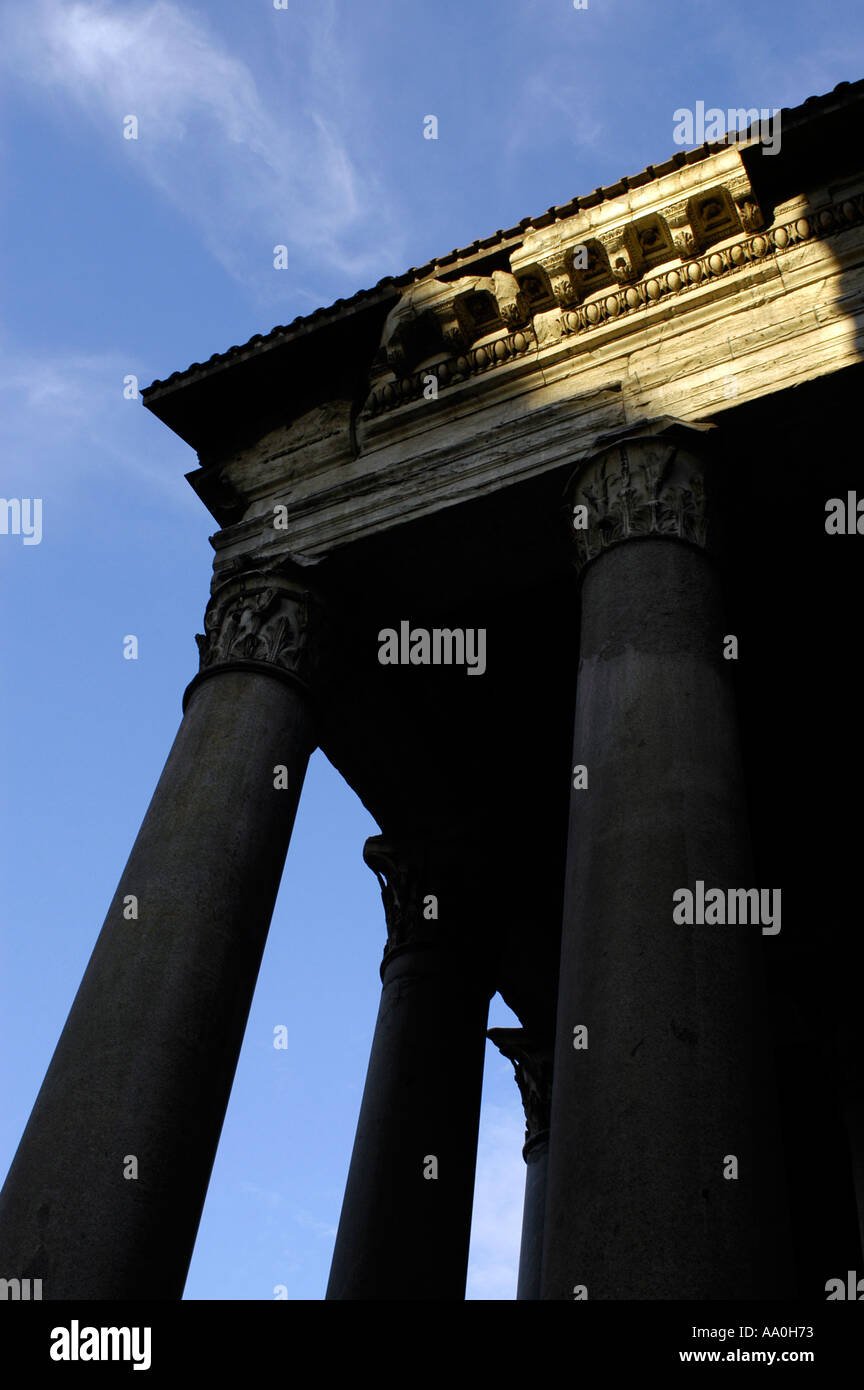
(638, 487)
(404, 881)
(559, 269)
(260, 618)
(532, 1062)
(684, 238)
(624, 252)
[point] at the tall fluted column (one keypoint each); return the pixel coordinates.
(664, 1180)
(532, 1061)
(406, 1215)
(105, 1193)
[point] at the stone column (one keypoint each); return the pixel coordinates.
(532, 1060)
(662, 1086)
(105, 1193)
(406, 1215)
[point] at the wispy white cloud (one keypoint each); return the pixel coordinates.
(266, 1197)
(253, 161)
(277, 1200)
(549, 96)
(64, 424)
(496, 1224)
(323, 1229)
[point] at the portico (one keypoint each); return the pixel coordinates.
(351, 501)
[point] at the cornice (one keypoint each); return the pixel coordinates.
(616, 304)
(844, 95)
(775, 308)
(687, 306)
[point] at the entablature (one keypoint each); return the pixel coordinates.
(753, 314)
(720, 277)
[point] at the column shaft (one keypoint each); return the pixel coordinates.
(404, 1234)
(145, 1063)
(674, 1078)
(406, 1216)
(536, 1153)
(531, 1055)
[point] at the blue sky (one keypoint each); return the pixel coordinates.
(301, 127)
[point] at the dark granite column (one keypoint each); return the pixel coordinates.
(670, 1080)
(532, 1060)
(105, 1193)
(406, 1215)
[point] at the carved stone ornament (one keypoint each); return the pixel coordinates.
(648, 486)
(625, 257)
(558, 267)
(261, 619)
(532, 1062)
(751, 215)
(511, 302)
(684, 238)
(405, 883)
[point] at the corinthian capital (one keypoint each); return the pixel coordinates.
(407, 885)
(532, 1061)
(646, 481)
(260, 619)
(429, 887)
